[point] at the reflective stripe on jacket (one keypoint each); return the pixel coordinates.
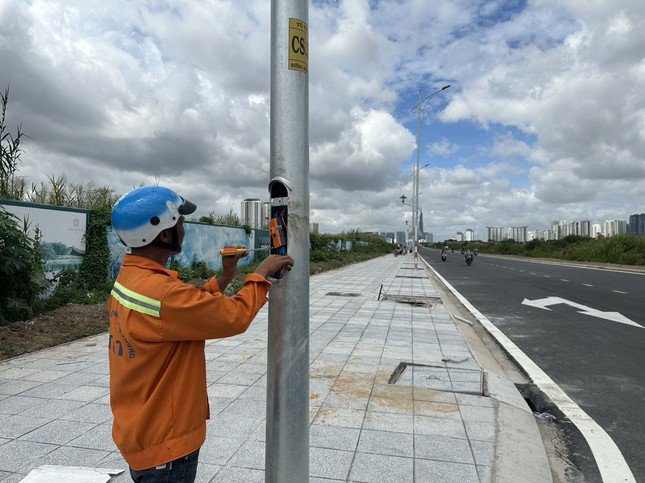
(158, 326)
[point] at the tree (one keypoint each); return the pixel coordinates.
(10, 152)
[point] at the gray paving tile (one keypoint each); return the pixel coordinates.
(436, 447)
(329, 463)
(349, 418)
(48, 390)
(485, 474)
(114, 459)
(58, 432)
(436, 409)
(254, 393)
(478, 414)
(18, 404)
(250, 455)
(18, 456)
(333, 437)
(72, 456)
(45, 376)
(14, 387)
(433, 471)
(226, 390)
(441, 426)
(78, 379)
(386, 443)
(100, 437)
(85, 393)
(232, 426)
(88, 413)
(53, 408)
(398, 423)
(241, 475)
(15, 426)
(470, 400)
(480, 431)
(205, 472)
(380, 468)
(14, 478)
(218, 450)
(484, 452)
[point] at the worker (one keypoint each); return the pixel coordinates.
(158, 328)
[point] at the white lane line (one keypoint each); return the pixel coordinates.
(547, 276)
(564, 279)
(620, 291)
(610, 460)
(587, 285)
(532, 273)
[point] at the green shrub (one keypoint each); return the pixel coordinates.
(22, 274)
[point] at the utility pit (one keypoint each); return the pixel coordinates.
(440, 378)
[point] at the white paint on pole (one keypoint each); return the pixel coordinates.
(583, 309)
(610, 461)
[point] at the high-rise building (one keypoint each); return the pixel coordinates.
(585, 228)
(615, 227)
(596, 229)
(460, 236)
(400, 237)
(266, 214)
(518, 233)
(637, 224)
(470, 234)
(430, 237)
(496, 233)
(420, 223)
(313, 227)
(251, 212)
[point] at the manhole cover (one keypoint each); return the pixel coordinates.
(343, 294)
(440, 378)
(412, 300)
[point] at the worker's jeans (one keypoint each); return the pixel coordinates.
(181, 470)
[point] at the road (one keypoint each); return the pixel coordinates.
(595, 356)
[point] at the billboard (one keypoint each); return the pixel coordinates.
(62, 230)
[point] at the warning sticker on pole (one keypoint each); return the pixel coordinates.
(298, 45)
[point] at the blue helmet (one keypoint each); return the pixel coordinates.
(141, 214)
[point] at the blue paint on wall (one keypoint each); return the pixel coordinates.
(201, 243)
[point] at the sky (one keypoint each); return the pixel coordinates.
(544, 118)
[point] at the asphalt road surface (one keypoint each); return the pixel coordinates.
(581, 343)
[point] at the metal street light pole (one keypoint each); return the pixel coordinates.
(415, 214)
(287, 405)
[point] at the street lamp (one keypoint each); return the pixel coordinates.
(415, 214)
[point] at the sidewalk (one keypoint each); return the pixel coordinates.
(432, 424)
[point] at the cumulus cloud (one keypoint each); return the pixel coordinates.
(125, 93)
(443, 148)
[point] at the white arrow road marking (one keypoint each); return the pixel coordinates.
(610, 460)
(613, 316)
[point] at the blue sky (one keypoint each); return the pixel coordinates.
(533, 127)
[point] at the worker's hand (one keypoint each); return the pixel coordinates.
(229, 263)
(273, 263)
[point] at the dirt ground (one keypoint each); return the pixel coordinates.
(65, 324)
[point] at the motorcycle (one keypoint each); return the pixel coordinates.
(469, 259)
(443, 257)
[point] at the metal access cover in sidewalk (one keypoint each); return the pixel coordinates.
(439, 378)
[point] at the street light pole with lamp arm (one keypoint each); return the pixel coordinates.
(415, 214)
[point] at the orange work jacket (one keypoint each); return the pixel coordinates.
(158, 326)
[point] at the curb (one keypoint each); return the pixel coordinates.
(609, 459)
